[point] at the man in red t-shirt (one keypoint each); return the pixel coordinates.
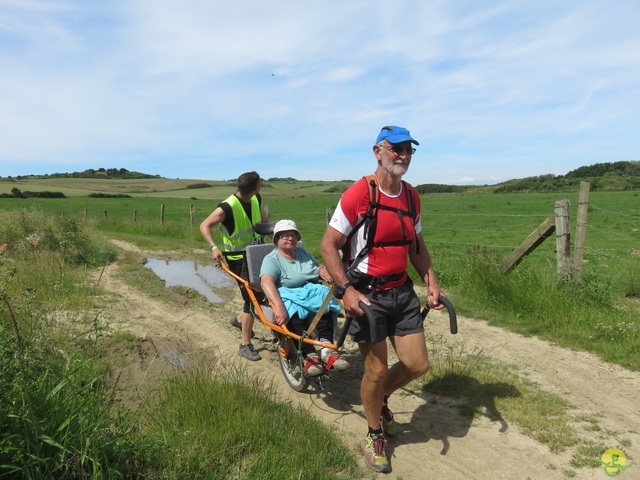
(378, 278)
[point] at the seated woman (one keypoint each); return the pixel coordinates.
(290, 278)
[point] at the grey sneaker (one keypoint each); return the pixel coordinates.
(247, 351)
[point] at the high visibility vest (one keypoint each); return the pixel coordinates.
(243, 234)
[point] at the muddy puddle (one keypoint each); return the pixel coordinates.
(205, 279)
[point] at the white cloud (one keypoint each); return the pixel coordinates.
(198, 89)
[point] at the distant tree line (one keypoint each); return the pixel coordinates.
(119, 173)
(16, 193)
(282, 179)
(439, 188)
(109, 195)
(631, 168)
(601, 176)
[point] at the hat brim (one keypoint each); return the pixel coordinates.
(400, 139)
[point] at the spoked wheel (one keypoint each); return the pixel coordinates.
(290, 365)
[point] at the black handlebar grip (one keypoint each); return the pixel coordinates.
(453, 319)
(376, 332)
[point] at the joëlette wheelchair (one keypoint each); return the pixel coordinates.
(290, 352)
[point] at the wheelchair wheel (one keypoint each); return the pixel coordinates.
(290, 365)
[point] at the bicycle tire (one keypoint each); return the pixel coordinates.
(290, 364)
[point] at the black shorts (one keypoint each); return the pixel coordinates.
(396, 312)
(240, 268)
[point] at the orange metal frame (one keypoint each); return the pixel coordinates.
(278, 328)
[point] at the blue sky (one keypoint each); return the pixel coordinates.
(201, 89)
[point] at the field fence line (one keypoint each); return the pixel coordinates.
(636, 217)
(612, 234)
(471, 244)
(486, 214)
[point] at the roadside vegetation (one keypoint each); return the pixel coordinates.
(58, 418)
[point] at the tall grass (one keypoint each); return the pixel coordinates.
(54, 420)
(220, 422)
(584, 314)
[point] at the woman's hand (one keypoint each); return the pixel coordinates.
(268, 284)
(324, 274)
(280, 316)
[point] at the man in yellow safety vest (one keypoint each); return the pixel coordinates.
(235, 217)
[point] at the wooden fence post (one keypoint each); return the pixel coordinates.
(135, 216)
(105, 214)
(563, 239)
(162, 213)
(84, 213)
(192, 214)
(581, 230)
(532, 242)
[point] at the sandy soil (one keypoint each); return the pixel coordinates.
(434, 440)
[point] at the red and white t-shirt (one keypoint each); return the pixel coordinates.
(383, 260)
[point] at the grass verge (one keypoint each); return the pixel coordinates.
(58, 417)
(219, 421)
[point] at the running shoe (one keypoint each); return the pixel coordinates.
(374, 447)
(388, 423)
(247, 351)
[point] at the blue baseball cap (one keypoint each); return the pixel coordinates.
(393, 134)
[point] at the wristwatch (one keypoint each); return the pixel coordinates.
(338, 290)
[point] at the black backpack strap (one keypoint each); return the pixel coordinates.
(369, 223)
(412, 210)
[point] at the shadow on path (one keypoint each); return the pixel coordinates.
(450, 405)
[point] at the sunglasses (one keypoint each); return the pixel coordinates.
(293, 235)
(398, 148)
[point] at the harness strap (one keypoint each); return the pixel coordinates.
(370, 221)
(381, 280)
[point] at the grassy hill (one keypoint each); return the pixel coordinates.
(617, 176)
(163, 187)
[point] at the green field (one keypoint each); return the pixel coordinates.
(468, 236)
(453, 224)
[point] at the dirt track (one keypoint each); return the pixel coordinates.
(434, 440)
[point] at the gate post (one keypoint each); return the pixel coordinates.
(581, 229)
(563, 237)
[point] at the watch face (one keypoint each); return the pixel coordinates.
(340, 289)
